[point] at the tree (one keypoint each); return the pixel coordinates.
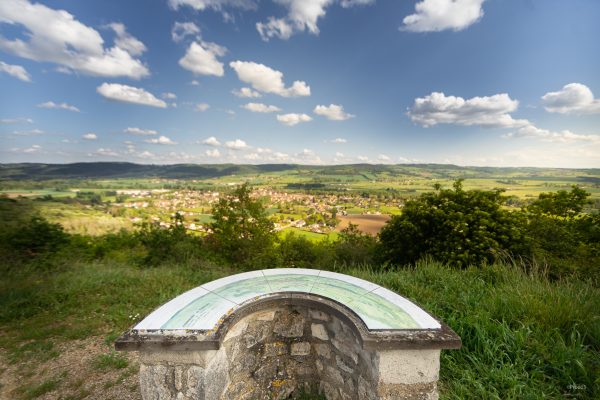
(561, 203)
(241, 229)
(453, 225)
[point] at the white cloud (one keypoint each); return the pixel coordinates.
(268, 80)
(56, 36)
(169, 96)
(8, 121)
(127, 42)
(181, 30)
(32, 132)
(201, 107)
(15, 71)
(492, 111)
(301, 15)
(293, 119)
(214, 153)
(262, 150)
(129, 94)
(439, 15)
(58, 106)
(339, 141)
(362, 158)
(36, 148)
(211, 141)
(106, 152)
(141, 132)
(384, 158)
(333, 112)
(201, 59)
(160, 140)
(260, 108)
(488, 112)
(308, 156)
(90, 136)
(253, 157)
(215, 5)
(574, 98)
(145, 154)
(237, 144)
(195, 83)
(246, 92)
(546, 135)
(275, 27)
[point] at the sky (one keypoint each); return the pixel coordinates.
(466, 82)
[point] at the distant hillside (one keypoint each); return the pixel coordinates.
(113, 170)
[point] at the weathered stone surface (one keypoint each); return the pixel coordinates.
(269, 354)
(320, 315)
(319, 331)
(300, 349)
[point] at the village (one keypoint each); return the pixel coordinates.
(317, 213)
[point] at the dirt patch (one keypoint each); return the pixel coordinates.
(370, 224)
(74, 374)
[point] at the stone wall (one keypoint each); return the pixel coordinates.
(271, 353)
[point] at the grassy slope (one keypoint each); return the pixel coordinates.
(523, 336)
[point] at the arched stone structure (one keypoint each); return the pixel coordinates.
(269, 346)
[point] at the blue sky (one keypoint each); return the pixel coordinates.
(468, 82)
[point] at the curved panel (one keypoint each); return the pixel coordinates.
(205, 307)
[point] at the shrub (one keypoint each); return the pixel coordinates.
(455, 226)
(241, 230)
(354, 247)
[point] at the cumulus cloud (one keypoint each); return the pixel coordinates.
(129, 94)
(339, 141)
(181, 30)
(246, 92)
(362, 158)
(237, 144)
(260, 108)
(213, 153)
(160, 140)
(211, 141)
(302, 15)
(90, 136)
(127, 42)
(58, 106)
(293, 119)
(201, 107)
(267, 80)
(333, 112)
(439, 15)
(574, 98)
(15, 71)
(141, 132)
(56, 36)
(490, 111)
(546, 135)
(215, 5)
(201, 59)
(169, 96)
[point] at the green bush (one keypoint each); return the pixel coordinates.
(241, 231)
(354, 247)
(455, 226)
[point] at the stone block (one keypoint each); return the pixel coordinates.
(408, 366)
(275, 349)
(319, 315)
(289, 325)
(319, 331)
(323, 350)
(300, 349)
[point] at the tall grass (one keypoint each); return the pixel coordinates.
(524, 337)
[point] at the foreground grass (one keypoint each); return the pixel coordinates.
(523, 336)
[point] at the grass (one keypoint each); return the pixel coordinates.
(523, 336)
(110, 360)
